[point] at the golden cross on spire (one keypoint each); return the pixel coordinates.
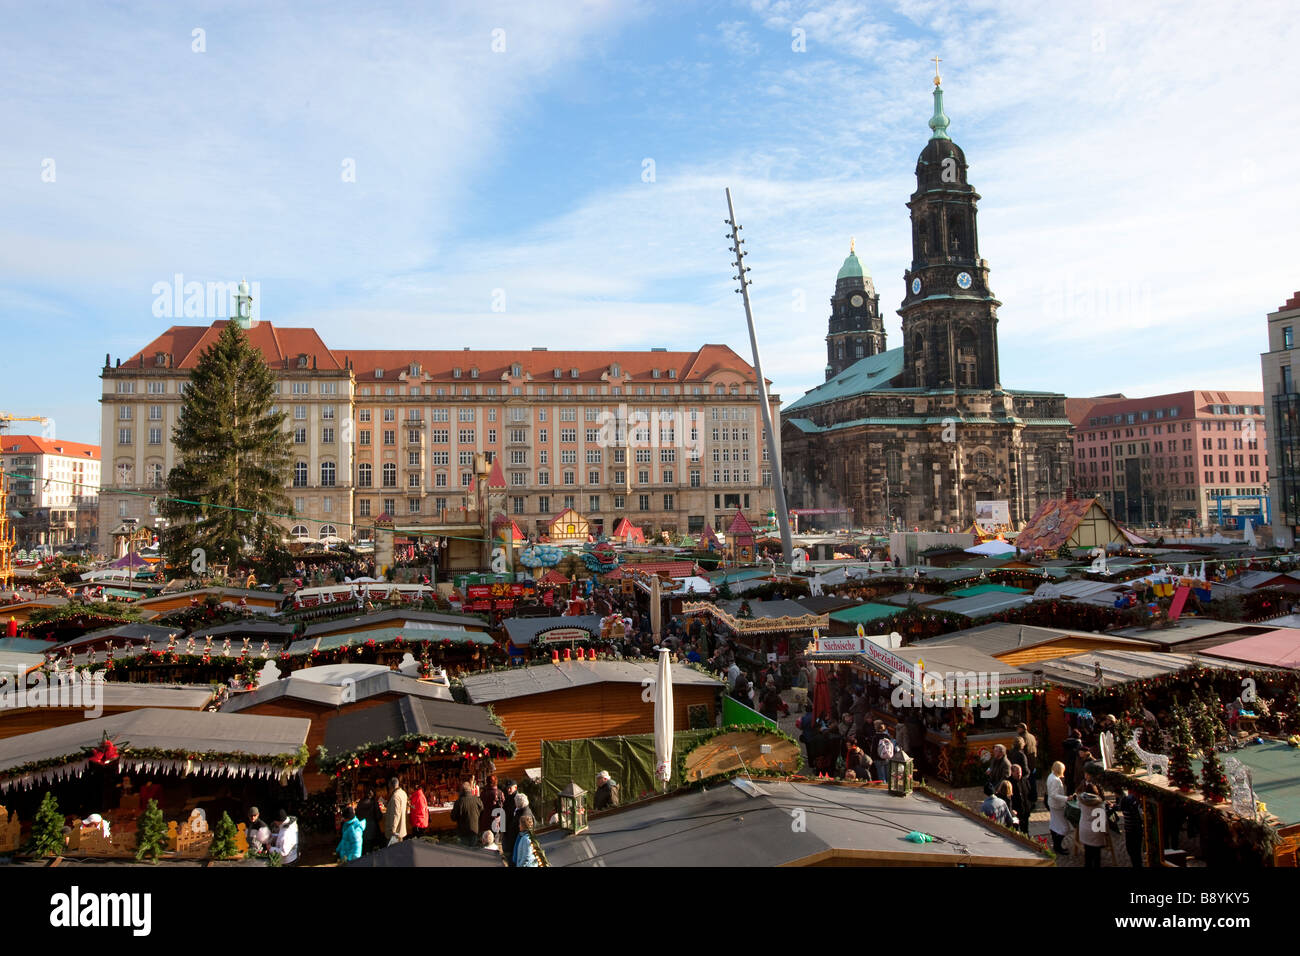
(937, 61)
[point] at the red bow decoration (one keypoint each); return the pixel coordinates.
(106, 752)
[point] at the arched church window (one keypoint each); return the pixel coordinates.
(966, 358)
(839, 350)
(893, 467)
(981, 460)
(859, 350)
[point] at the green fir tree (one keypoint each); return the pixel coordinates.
(1181, 774)
(47, 829)
(1214, 783)
(151, 834)
(223, 839)
(1125, 757)
(233, 458)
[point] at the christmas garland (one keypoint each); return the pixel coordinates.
(413, 747)
(126, 753)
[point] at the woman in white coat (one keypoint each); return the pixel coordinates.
(1056, 803)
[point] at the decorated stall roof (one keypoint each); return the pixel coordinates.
(947, 664)
(1124, 667)
(1073, 522)
(413, 632)
(750, 827)
(905, 598)
(300, 686)
(546, 678)
(765, 617)
(626, 530)
(258, 630)
(133, 632)
(399, 615)
(172, 739)
(524, 631)
(999, 638)
(456, 728)
(672, 569)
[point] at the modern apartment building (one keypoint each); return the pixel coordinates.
(1282, 410)
(53, 488)
(671, 440)
(1185, 460)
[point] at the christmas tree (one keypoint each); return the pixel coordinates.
(1214, 784)
(1202, 724)
(151, 835)
(47, 829)
(1181, 774)
(223, 839)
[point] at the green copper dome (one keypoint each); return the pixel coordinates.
(939, 122)
(852, 268)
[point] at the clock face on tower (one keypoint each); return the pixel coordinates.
(963, 280)
(916, 286)
(855, 301)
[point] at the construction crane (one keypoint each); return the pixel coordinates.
(6, 530)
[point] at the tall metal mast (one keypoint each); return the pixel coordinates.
(773, 440)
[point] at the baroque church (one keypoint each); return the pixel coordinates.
(916, 436)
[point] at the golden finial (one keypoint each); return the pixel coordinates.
(937, 61)
(850, 245)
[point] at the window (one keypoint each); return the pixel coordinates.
(643, 477)
(439, 414)
(126, 388)
(618, 502)
(518, 478)
(155, 436)
(668, 476)
(365, 475)
(327, 436)
(155, 476)
(518, 436)
(439, 436)
(124, 436)
(543, 436)
(668, 502)
(363, 438)
(327, 474)
(466, 479)
(568, 414)
(592, 435)
(124, 413)
(300, 474)
(544, 503)
(568, 435)
(492, 436)
(413, 479)
(568, 457)
(643, 502)
(390, 414)
(363, 507)
(568, 478)
(301, 388)
(543, 477)
(390, 475)
(543, 457)
(695, 479)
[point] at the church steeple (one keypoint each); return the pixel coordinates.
(856, 329)
(949, 314)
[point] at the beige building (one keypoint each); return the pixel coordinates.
(670, 440)
(54, 486)
(1282, 409)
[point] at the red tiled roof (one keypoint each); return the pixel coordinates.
(673, 569)
(740, 526)
(1191, 404)
(35, 445)
(1077, 410)
(496, 477)
(185, 343)
(625, 528)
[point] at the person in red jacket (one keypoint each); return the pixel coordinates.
(419, 811)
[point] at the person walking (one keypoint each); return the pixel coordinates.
(1094, 831)
(368, 812)
(1020, 805)
(1056, 803)
(493, 799)
(999, 767)
(419, 811)
(350, 840)
(525, 855)
(1131, 806)
(465, 813)
(395, 812)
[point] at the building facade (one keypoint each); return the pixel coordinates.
(917, 435)
(1191, 459)
(54, 486)
(1282, 412)
(670, 440)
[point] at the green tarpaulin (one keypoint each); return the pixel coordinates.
(734, 712)
(630, 761)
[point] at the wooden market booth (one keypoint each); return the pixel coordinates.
(757, 629)
(434, 744)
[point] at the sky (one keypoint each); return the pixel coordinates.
(498, 175)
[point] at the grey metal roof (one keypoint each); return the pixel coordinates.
(410, 853)
(525, 630)
(823, 605)
(546, 678)
(410, 715)
(1120, 667)
(25, 645)
(1258, 579)
(724, 826)
(904, 598)
(18, 662)
(261, 630)
(183, 696)
(982, 605)
(1193, 629)
(761, 609)
(999, 638)
(336, 695)
(1078, 589)
(133, 631)
(198, 731)
(395, 614)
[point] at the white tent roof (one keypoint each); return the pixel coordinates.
(992, 548)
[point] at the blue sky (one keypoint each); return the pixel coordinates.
(1135, 162)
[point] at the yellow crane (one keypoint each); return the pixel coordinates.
(6, 531)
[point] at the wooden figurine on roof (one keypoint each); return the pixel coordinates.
(740, 540)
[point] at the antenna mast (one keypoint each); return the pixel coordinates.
(764, 407)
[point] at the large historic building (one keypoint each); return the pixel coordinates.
(917, 435)
(1282, 411)
(670, 440)
(53, 490)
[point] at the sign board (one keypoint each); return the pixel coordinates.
(842, 645)
(564, 635)
(993, 514)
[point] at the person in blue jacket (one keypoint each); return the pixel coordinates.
(525, 855)
(349, 847)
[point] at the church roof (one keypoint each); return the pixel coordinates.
(852, 268)
(865, 375)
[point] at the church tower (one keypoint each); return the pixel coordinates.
(950, 338)
(856, 329)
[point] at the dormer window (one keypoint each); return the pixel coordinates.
(415, 369)
(573, 373)
(672, 373)
(654, 373)
(455, 373)
(557, 373)
(473, 373)
(615, 371)
(379, 373)
(515, 371)
(302, 360)
(160, 359)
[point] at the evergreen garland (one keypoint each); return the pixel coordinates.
(1214, 783)
(47, 829)
(1181, 774)
(151, 834)
(223, 839)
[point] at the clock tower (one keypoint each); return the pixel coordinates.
(856, 329)
(950, 338)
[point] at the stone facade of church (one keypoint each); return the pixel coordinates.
(916, 436)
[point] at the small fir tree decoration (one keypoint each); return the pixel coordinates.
(1181, 774)
(1214, 783)
(47, 829)
(223, 839)
(151, 835)
(1125, 756)
(1202, 724)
